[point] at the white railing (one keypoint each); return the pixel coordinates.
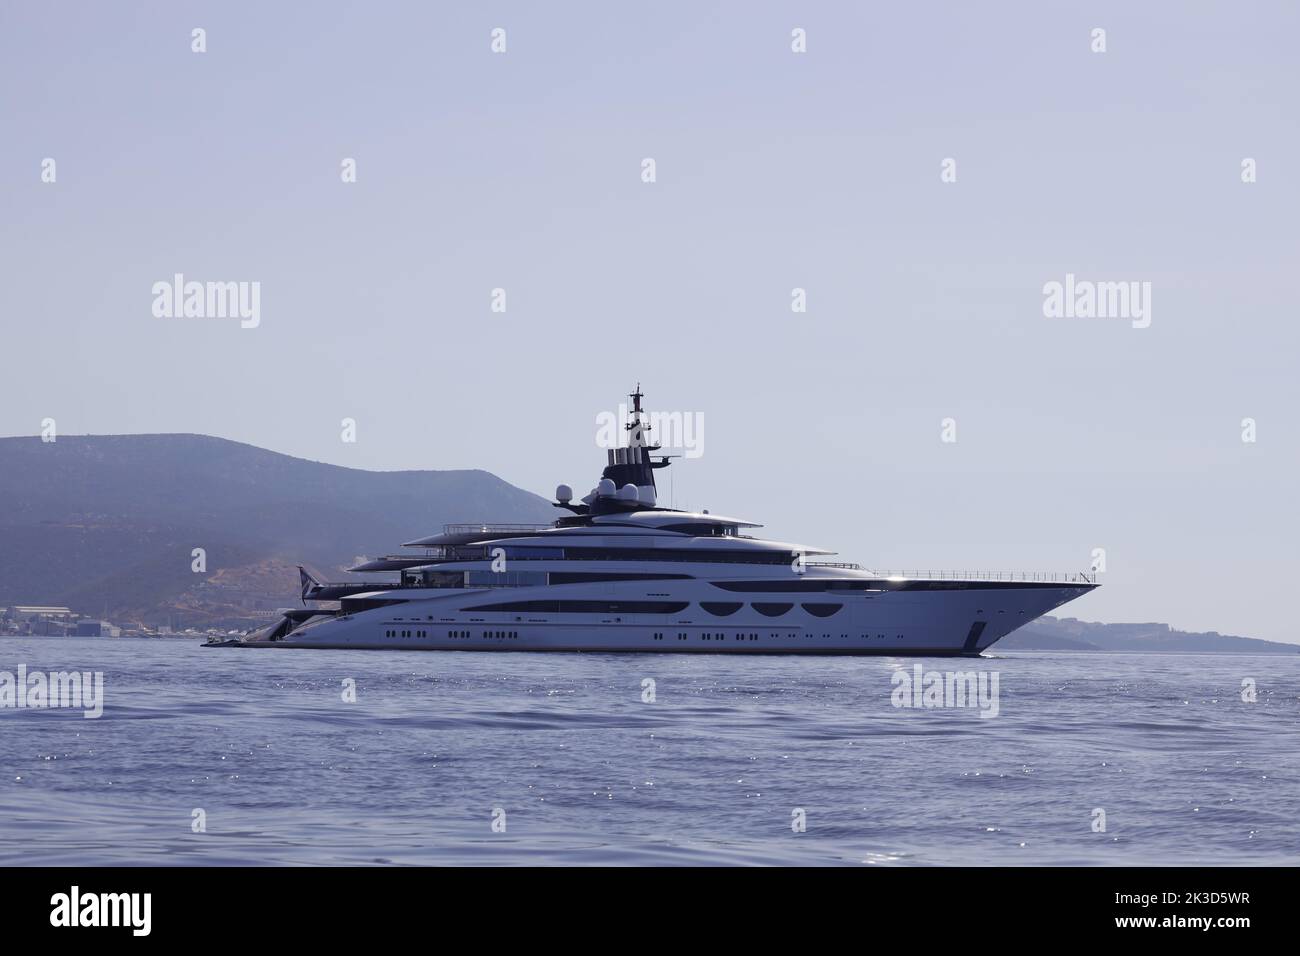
(1043, 577)
(491, 528)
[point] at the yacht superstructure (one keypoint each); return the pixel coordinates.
(618, 572)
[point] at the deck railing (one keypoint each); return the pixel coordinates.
(491, 528)
(1041, 577)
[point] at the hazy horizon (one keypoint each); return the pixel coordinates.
(774, 171)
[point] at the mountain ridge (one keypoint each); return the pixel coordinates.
(1071, 634)
(110, 521)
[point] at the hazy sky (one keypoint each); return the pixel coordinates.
(774, 170)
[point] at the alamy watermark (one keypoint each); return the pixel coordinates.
(924, 689)
(1085, 299)
(179, 299)
(128, 910)
(37, 690)
(682, 431)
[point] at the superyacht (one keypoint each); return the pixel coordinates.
(619, 572)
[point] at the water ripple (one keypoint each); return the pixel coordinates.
(723, 766)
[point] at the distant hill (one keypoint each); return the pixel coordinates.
(107, 523)
(1070, 634)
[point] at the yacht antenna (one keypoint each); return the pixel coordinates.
(635, 430)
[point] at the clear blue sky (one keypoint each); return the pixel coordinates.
(775, 171)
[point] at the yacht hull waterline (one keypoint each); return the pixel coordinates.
(619, 573)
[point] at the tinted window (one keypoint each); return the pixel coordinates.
(822, 610)
(514, 579)
(580, 577)
(790, 586)
(679, 554)
(586, 607)
(721, 608)
(700, 530)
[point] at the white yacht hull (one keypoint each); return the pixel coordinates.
(962, 620)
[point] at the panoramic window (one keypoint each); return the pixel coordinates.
(822, 610)
(772, 608)
(721, 608)
(504, 579)
(586, 607)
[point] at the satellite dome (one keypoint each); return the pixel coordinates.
(627, 492)
(563, 494)
(606, 488)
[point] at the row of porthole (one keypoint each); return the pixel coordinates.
(658, 636)
(504, 635)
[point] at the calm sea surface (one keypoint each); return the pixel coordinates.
(585, 771)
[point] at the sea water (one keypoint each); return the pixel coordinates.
(281, 756)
